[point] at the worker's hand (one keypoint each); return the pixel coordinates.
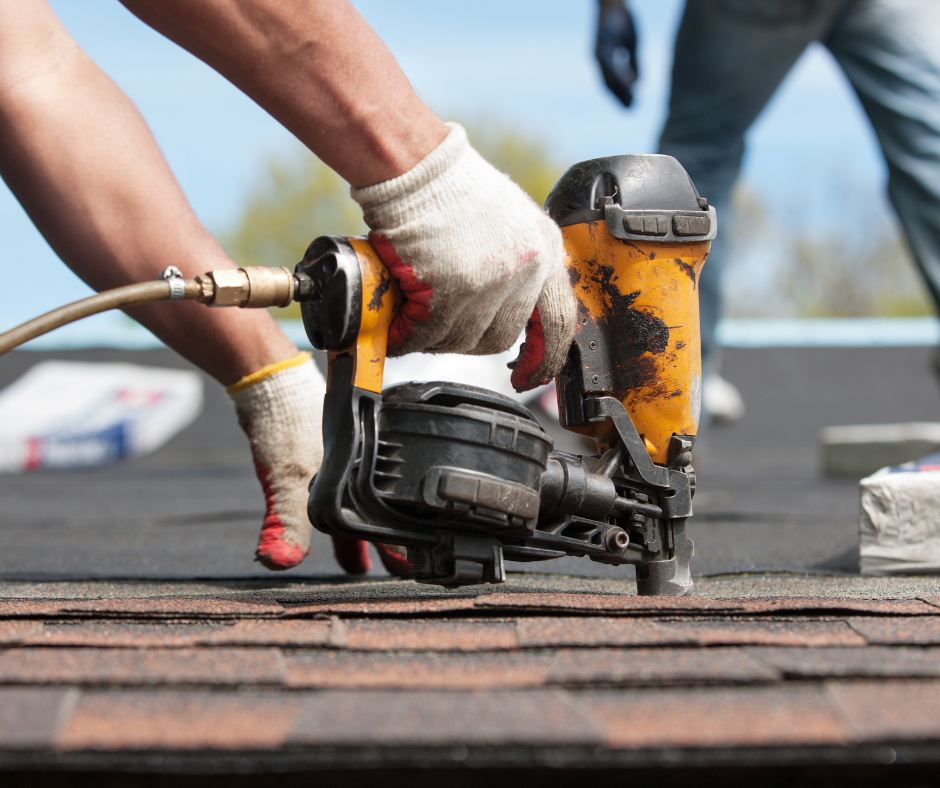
(278, 407)
(476, 260)
(616, 49)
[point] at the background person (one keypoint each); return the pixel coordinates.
(730, 57)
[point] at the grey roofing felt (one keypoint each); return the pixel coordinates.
(193, 508)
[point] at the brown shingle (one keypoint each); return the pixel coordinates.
(836, 605)
(639, 666)
(351, 670)
(543, 631)
(931, 599)
(429, 635)
(604, 603)
(147, 607)
(179, 721)
(919, 631)
(378, 717)
(746, 717)
(379, 607)
(851, 662)
(224, 666)
(763, 632)
(888, 710)
(18, 631)
(702, 605)
(30, 718)
(123, 634)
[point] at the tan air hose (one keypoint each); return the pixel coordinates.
(245, 287)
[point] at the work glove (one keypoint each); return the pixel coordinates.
(477, 261)
(279, 407)
(616, 49)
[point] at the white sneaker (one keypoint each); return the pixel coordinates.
(721, 400)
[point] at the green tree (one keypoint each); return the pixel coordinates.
(298, 198)
(860, 270)
(523, 157)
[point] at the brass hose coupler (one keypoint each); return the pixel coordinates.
(254, 287)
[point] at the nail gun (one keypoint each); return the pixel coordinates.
(466, 478)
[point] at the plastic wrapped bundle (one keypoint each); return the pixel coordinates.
(899, 519)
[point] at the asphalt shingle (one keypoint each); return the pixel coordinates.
(428, 718)
(31, 718)
(747, 717)
(663, 667)
(874, 661)
(888, 711)
(898, 631)
(159, 720)
(154, 666)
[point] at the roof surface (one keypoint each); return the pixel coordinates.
(575, 673)
(136, 634)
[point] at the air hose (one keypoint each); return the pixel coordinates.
(252, 287)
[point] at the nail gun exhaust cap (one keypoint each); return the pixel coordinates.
(641, 197)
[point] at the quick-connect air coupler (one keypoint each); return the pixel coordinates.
(250, 287)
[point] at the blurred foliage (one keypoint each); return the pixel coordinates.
(843, 273)
(771, 271)
(297, 198)
(523, 157)
(827, 279)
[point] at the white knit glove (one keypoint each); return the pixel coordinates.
(280, 408)
(476, 259)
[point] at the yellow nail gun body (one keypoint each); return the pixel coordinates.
(465, 477)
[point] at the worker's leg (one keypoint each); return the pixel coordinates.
(730, 56)
(889, 51)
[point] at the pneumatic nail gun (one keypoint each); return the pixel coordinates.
(466, 478)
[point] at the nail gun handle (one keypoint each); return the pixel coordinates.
(349, 302)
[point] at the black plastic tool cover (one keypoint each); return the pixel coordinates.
(635, 182)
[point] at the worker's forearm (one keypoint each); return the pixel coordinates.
(318, 68)
(83, 163)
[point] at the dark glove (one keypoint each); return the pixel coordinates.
(616, 49)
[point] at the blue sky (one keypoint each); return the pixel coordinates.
(528, 63)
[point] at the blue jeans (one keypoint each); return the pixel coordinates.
(731, 55)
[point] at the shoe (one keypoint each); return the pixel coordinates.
(721, 400)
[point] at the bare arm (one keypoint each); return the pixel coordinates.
(84, 165)
(318, 68)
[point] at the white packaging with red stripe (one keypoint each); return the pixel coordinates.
(899, 519)
(66, 414)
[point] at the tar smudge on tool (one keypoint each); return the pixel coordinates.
(375, 303)
(687, 269)
(636, 336)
